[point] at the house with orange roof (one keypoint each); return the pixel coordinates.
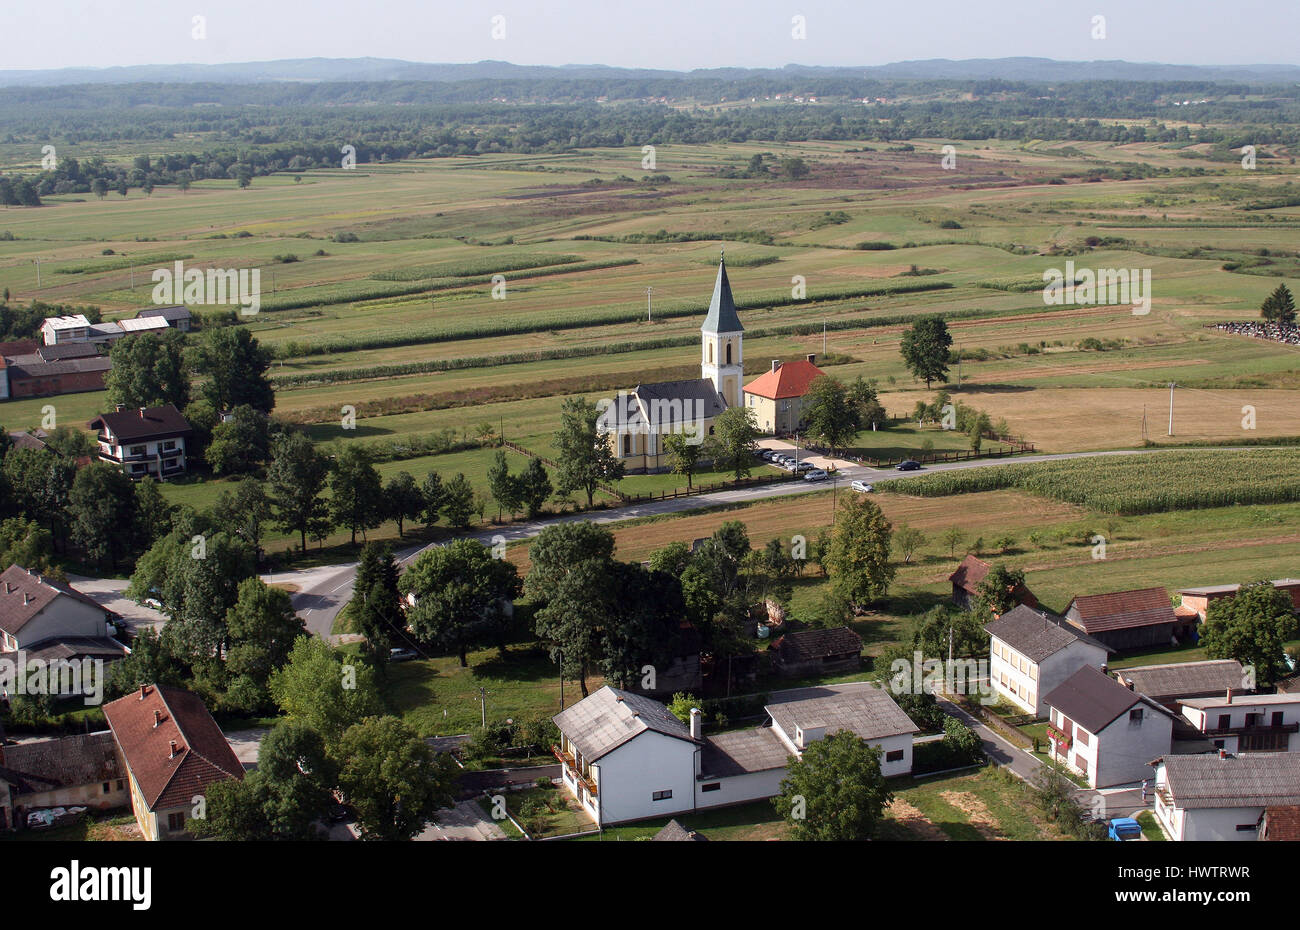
(173, 751)
(777, 396)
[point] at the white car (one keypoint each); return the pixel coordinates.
(862, 486)
(816, 475)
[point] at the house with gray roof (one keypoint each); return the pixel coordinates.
(626, 757)
(1172, 682)
(1103, 731)
(1031, 651)
(637, 422)
(1221, 796)
(84, 770)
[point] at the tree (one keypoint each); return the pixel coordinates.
(402, 500)
(393, 780)
(244, 512)
(586, 455)
(262, 627)
(794, 168)
(1279, 306)
(503, 485)
(907, 539)
(149, 370)
(671, 558)
(377, 605)
(461, 597)
(101, 507)
(235, 365)
(1252, 627)
(296, 478)
(153, 515)
(434, 494)
(40, 481)
(25, 542)
(317, 688)
(458, 501)
(832, 416)
(356, 492)
(201, 575)
(835, 791)
(560, 547)
(862, 394)
(996, 594)
(572, 622)
(858, 562)
(925, 349)
(952, 538)
(644, 612)
(534, 487)
(732, 445)
(240, 442)
(683, 455)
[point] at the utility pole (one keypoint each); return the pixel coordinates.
(648, 292)
(823, 339)
(38, 273)
(482, 696)
(1144, 422)
(1172, 385)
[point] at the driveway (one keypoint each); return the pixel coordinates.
(466, 821)
(247, 744)
(109, 594)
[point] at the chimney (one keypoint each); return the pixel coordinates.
(812, 360)
(173, 744)
(697, 723)
(141, 413)
(1229, 696)
(1105, 669)
(26, 598)
(120, 407)
(1223, 753)
(776, 363)
(157, 718)
(143, 691)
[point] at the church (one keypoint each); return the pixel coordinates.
(639, 420)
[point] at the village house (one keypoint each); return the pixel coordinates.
(1103, 731)
(1032, 651)
(73, 771)
(1220, 796)
(625, 757)
(638, 421)
(1240, 724)
(777, 397)
(1171, 683)
(817, 652)
(966, 581)
(173, 750)
(176, 316)
(1126, 620)
(144, 441)
(48, 620)
(1199, 600)
(36, 375)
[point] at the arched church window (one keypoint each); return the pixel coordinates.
(710, 353)
(728, 353)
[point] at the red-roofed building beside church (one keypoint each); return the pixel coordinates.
(173, 750)
(777, 396)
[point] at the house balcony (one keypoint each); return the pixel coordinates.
(571, 770)
(1265, 730)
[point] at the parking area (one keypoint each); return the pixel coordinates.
(816, 461)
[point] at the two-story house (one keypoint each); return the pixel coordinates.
(1032, 651)
(1172, 682)
(625, 757)
(1248, 723)
(1105, 732)
(173, 750)
(50, 621)
(144, 441)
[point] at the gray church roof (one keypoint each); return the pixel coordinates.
(722, 309)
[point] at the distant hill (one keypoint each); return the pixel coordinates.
(387, 69)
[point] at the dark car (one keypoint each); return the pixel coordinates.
(908, 465)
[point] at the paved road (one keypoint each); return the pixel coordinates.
(322, 592)
(109, 593)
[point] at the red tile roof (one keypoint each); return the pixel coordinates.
(970, 573)
(790, 380)
(1281, 823)
(1123, 610)
(202, 755)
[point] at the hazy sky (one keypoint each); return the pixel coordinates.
(672, 34)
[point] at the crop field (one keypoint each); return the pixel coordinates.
(378, 286)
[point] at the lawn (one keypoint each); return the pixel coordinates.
(548, 811)
(1151, 827)
(93, 827)
(986, 805)
(757, 820)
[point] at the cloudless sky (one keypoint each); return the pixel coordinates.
(670, 34)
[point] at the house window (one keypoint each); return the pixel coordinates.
(121, 784)
(1225, 721)
(894, 755)
(1247, 827)
(1253, 720)
(169, 445)
(627, 444)
(1135, 715)
(106, 788)
(136, 450)
(1082, 736)
(175, 822)
(1081, 763)
(1277, 718)
(1218, 744)
(661, 795)
(712, 786)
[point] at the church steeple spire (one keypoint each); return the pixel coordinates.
(722, 316)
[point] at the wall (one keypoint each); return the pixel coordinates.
(646, 763)
(737, 789)
(51, 385)
(1127, 748)
(64, 616)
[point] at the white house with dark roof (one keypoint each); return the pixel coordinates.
(144, 441)
(1247, 723)
(1103, 731)
(1032, 651)
(626, 757)
(1219, 796)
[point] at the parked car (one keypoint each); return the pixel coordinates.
(767, 455)
(402, 655)
(862, 486)
(908, 465)
(816, 475)
(800, 467)
(1124, 828)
